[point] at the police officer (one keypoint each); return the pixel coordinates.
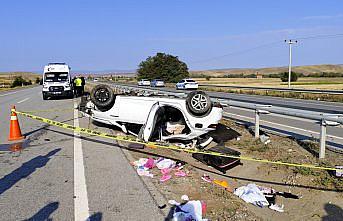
(83, 85)
(78, 85)
(74, 86)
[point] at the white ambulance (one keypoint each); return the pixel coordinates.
(57, 81)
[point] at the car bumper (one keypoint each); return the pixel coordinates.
(189, 86)
(58, 93)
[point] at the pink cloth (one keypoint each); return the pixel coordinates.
(165, 177)
(180, 173)
(150, 163)
(165, 171)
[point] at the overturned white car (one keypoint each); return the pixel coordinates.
(156, 118)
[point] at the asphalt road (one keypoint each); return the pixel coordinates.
(280, 124)
(61, 176)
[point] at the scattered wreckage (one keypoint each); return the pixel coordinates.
(191, 121)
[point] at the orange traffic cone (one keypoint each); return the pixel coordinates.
(15, 132)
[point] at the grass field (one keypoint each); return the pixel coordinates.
(302, 83)
(305, 69)
(6, 78)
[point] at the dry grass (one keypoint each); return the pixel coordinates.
(308, 69)
(302, 83)
(306, 96)
(6, 78)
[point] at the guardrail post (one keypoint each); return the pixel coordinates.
(257, 124)
(322, 139)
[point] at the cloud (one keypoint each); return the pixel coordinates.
(323, 17)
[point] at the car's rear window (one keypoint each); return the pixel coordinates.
(190, 80)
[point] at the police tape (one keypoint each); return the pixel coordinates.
(49, 110)
(166, 146)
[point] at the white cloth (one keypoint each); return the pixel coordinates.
(142, 171)
(251, 194)
(192, 210)
(165, 164)
(140, 162)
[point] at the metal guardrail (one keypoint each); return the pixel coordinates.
(323, 118)
(312, 91)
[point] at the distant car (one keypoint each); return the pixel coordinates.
(155, 118)
(95, 79)
(186, 84)
(143, 82)
(157, 83)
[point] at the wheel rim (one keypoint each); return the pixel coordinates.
(102, 95)
(199, 102)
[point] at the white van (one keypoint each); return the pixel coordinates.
(57, 81)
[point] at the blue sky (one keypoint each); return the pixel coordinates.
(109, 34)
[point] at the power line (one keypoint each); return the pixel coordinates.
(267, 45)
(238, 52)
(321, 36)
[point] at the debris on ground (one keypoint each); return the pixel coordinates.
(221, 183)
(166, 166)
(188, 209)
(220, 163)
(339, 173)
(262, 196)
(224, 133)
(224, 205)
(265, 139)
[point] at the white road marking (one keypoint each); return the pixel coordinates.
(1, 95)
(23, 100)
(282, 125)
(81, 209)
(17, 91)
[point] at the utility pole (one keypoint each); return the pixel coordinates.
(290, 42)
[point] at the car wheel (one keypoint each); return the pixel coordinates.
(198, 103)
(45, 96)
(103, 97)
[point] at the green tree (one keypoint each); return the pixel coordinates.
(284, 76)
(19, 81)
(163, 66)
(37, 80)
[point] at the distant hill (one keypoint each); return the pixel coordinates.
(307, 69)
(105, 72)
(26, 75)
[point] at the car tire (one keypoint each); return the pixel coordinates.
(102, 97)
(45, 97)
(198, 103)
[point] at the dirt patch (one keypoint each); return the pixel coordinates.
(321, 192)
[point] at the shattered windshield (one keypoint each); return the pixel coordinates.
(56, 77)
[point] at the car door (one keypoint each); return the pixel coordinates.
(179, 84)
(148, 128)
